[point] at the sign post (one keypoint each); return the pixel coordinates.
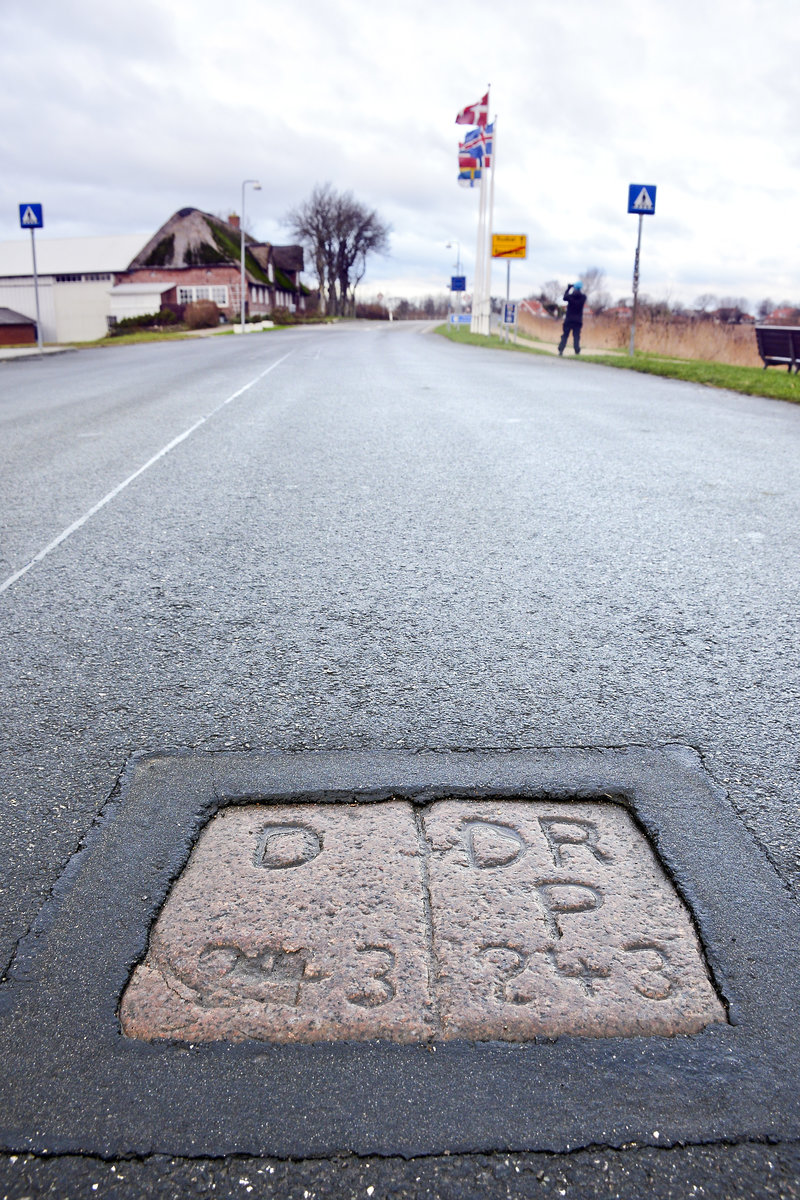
(510, 319)
(458, 284)
(30, 217)
(508, 246)
(641, 200)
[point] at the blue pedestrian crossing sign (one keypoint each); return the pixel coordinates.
(642, 198)
(30, 216)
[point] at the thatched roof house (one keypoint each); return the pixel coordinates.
(199, 255)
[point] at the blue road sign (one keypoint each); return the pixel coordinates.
(642, 198)
(509, 314)
(30, 216)
(458, 283)
(460, 318)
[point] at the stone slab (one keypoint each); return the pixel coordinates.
(291, 923)
(507, 920)
(558, 919)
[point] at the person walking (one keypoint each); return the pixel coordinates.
(574, 319)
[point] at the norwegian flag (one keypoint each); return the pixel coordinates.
(470, 159)
(475, 114)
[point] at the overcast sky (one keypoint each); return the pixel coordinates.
(117, 115)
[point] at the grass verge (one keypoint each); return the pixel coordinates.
(461, 334)
(776, 384)
(177, 335)
(132, 339)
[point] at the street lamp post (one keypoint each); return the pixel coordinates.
(243, 296)
(449, 246)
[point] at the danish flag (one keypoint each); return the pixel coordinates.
(475, 114)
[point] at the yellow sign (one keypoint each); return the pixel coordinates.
(509, 245)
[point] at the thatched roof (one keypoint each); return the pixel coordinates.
(288, 258)
(191, 238)
(261, 252)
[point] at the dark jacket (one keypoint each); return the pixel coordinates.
(575, 302)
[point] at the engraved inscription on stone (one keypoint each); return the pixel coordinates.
(291, 923)
(482, 920)
(552, 919)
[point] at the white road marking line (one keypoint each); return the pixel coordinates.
(62, 537)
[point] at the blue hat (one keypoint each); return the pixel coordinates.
(577, 285)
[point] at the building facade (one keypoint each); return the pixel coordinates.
(86, 285)
(197, 256)
(75, 276)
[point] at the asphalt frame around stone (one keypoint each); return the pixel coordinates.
(73, 1084)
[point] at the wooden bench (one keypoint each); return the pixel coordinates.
(779, 345)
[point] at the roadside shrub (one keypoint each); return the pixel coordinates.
(372, 312)
(282, 316)
(201, 314)
(144, 321)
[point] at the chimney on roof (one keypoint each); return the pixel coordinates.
(233, 220)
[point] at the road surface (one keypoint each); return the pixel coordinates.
(366, 537)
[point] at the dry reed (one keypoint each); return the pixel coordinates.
(678, 337)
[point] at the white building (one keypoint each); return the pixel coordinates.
(76, 276)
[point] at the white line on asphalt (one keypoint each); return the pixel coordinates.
(62, 537)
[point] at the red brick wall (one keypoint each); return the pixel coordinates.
(222, 276)
(17, 335)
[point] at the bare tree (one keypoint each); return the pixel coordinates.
(551, 296)
(340, 233)
(552, 291)
(764, 308)
(732, 309)
(593, 280)
(705, 302)
(313, 223)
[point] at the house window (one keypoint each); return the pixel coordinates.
(219, 295)
(96, 278)
(68, 278)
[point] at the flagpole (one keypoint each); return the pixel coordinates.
(489, 228)
(478, 114)
(480, 259)
(479, 323)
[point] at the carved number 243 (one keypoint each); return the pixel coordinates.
(656, 980)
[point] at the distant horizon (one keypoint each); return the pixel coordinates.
(368, 293)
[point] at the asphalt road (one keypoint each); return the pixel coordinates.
(370, 538)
